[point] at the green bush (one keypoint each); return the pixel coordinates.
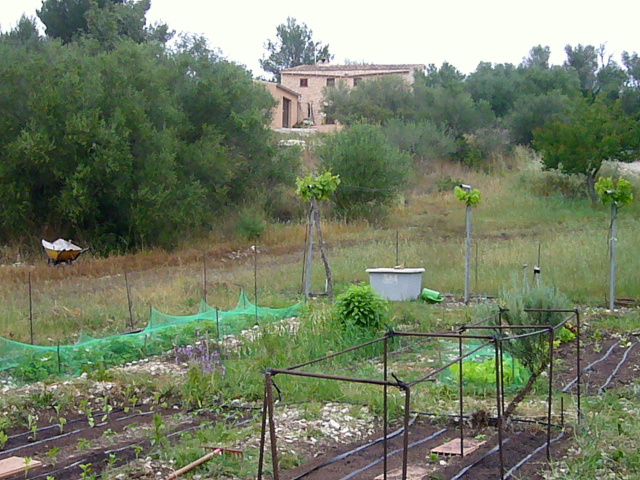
(251, 223)
(424, 140)
(553, 182)
(532, 351)
(372, 170)
(362, 307)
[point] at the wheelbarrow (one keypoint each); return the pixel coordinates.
(62, 251)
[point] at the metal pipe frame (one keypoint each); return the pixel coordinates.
(435, 372)
(550, 399)
(499, 402)
(268, 406)
(350, 349)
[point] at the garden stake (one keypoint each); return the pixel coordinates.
(204, 275)
(30, 310)
(309, 255)
(577, 312)
(217, 323)
(272, 428)
(476, 270)
(255, 279)
(58, 351)
(467, 257)
(385, 407)
(502, 395)
(460, 395)
(551, 338)
(405, 439)
(126, 282)
(612, 266)
(498, 405)
(397, 247)
(304, 260)
(562, 411)
(263, 431)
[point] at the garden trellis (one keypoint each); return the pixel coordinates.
(491, 332)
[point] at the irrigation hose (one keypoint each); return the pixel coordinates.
(126, 447)
(66, 434)
(394, 452)
(591, 365)
(615, 370)
(469, 467)
(531, 455)
(342, 456)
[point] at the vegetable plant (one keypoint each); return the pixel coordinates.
(361, 306)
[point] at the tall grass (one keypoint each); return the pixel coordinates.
(606, 441)
(510, 226)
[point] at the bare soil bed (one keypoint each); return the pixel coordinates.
(609, 362)
(127, 435)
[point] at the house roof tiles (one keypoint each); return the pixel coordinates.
(350, 69)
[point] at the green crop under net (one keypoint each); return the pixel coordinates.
(479, 368)
(29, 363)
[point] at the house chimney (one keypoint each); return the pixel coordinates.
(322, 61)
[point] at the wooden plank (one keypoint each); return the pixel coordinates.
(413, 473)
(453, 447)
(12, 465)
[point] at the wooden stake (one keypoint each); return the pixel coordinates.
(126, 282)
(30, 310)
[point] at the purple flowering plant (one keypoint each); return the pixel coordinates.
(201, 353)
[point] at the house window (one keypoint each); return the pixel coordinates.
(304, 82)
(331, 82)
(356, 81)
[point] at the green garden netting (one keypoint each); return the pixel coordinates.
(479, 369)
(28, 363)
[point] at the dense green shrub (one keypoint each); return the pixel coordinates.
(532, 351)
(553, 182)
(361, 306)
(186, 135)
(372, 170)
(251, 223)
(424, 140)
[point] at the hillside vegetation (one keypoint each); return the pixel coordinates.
(512, 225)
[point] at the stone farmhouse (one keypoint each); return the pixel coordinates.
(310, 81)
(288, 110)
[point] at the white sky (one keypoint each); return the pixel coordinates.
(462, 32)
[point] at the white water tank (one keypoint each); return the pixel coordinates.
(396, 283)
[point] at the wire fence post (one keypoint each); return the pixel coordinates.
(612, 263)
(30, 310)
(309, 259)
(550, 400)
(204, 275)
(385, 407)
(255, 279)
(461, 396)
(499, 407)
(467, 272)
(126, 282)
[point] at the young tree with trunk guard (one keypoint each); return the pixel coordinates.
(315, 189)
